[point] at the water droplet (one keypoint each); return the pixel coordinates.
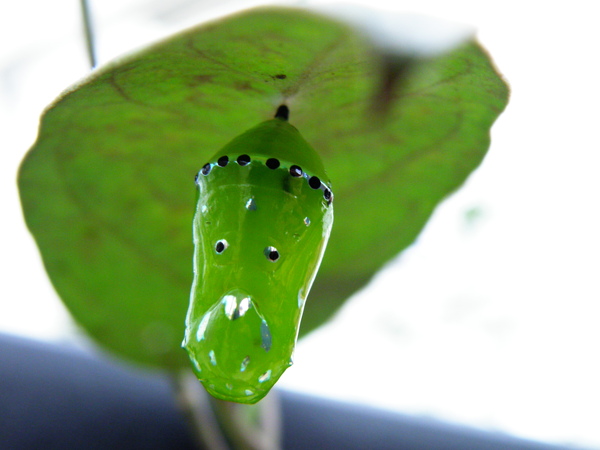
(301, 298)
(230, 303)
(265, 376)
(233, 309)
(232, 351)
(196, 365)
(244, 306)
(248, 392)
(202, 327)
(213, 358)
(306, 221)
(245, 363)
(251, 205)
(204, 208)
(265, 335)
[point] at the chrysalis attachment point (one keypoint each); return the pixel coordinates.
(283, 113)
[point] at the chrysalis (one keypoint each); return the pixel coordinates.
(261, 225)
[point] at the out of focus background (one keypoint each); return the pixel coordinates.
(491, 318)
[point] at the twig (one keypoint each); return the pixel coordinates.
(193, 401)
(89, 33)
(251, 427)
(218, 424)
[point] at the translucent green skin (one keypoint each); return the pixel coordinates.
(245, 309)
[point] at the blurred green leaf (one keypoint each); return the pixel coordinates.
(108, 192)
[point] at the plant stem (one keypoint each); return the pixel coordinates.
(220, 425)
(251, 427)
(89, 33)
(193, 401)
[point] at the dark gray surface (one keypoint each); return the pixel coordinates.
(59, 398)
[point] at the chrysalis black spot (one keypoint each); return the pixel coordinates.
(243, 160)
(296, 171)
(206, 169)
(314, 182)
(327, 194)
(223, 161)
(221, 246)
(265, 335)
(272, 254)
(272, 163)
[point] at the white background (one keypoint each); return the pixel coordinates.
(491, 318)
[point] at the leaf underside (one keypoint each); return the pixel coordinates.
(108, 187)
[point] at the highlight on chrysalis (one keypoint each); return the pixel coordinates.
(262, 222)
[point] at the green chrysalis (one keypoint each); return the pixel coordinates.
(261, 226)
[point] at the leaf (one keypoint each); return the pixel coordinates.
(108, 187)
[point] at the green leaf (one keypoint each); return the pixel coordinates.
(108, 187)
